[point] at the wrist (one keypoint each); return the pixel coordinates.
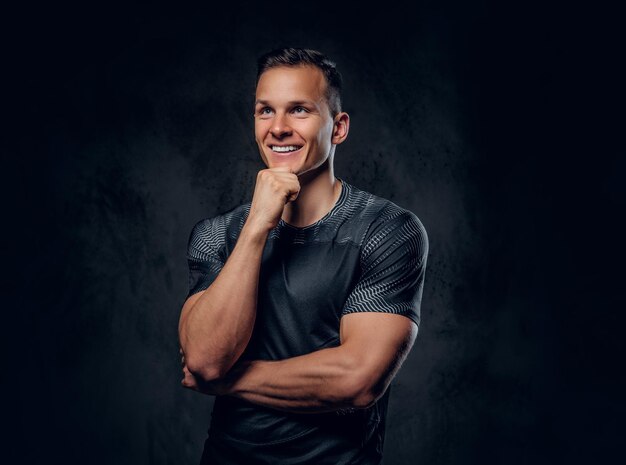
(257, 228)
(234, 383)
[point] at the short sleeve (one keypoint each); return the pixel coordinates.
(203, 255)
(393, 264)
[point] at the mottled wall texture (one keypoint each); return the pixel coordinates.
(130, 125)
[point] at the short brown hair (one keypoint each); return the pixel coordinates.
(301, 57)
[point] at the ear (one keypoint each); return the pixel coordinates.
(341, 126)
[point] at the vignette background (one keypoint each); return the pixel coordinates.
(128, 125)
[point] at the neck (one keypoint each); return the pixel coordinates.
(319, 191)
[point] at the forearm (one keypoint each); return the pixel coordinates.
(325, 380)
(215, 331)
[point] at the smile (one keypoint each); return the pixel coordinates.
(285, 148)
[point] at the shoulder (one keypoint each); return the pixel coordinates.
(209, 234)
(382, 219)
(235, 217)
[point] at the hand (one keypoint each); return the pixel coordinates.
(220, 387)
(212, 388)
(188, 381)
(274, 188)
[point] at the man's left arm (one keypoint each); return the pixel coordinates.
(352, 375)
(377, 329)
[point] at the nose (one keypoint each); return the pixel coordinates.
(280, 127)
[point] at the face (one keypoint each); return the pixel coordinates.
(292, 122)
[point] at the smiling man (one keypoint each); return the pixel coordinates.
(304, 302)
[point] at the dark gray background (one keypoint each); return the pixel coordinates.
(127, 125)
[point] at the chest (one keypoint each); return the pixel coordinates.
(302, 291)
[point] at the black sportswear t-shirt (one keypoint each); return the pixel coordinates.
(365, 255)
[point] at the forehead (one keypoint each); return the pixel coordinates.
(291, 83)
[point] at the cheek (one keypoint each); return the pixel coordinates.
(324, 135)
(314, 134)
(260, 129)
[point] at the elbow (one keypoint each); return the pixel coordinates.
(205, 371)
(361, 392)
(363, 399)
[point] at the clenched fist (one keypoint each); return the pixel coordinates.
(274, 188)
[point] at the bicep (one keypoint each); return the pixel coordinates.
(187, 306)
(204, 261)
(393, 263)
(203, 257)
(378, 343)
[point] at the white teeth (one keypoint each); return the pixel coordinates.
(287, 148)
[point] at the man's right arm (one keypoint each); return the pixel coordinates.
(215, 325)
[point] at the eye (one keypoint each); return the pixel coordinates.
(300, 110)
(264, 112)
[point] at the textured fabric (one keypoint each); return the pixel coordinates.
(366, 255)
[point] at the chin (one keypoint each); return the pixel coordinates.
(297, 166)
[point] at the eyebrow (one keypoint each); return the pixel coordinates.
(293, 102)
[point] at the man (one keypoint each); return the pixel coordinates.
(304, 302)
